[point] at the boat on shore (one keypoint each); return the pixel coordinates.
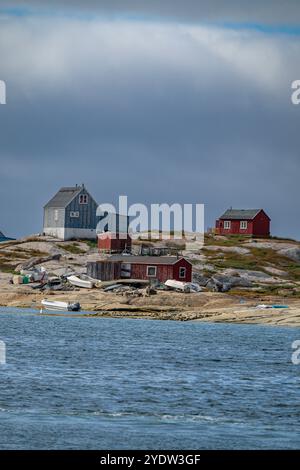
(78, 282)
(182, 286)
(56, 305)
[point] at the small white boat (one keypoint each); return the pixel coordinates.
(57, 305)
(178, 285)
(183, 286)
(78, 282)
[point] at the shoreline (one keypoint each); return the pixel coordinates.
(235, 276)
(174, 306)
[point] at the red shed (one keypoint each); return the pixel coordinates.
(113, 243)
(251, 222)
(160, 268)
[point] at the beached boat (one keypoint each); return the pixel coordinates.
(264, 306)
(57, 305)
(182, 286)
(78, 282)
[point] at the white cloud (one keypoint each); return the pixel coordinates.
(56, 53)
(206, 107)
(257, 11)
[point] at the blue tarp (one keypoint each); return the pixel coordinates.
(3, 238)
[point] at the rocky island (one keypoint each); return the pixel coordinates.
(236, 274)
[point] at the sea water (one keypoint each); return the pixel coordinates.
(99, 383)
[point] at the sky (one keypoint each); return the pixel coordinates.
(163, 101)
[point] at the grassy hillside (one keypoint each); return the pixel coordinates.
(271, 266)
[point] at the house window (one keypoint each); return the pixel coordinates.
(227, 224)
(151, 271)
(182, 272)
(74, 215)
(56, 215)
(83, 199)
(243, 224)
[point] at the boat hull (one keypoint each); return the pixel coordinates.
(58, 306)
(76, 281)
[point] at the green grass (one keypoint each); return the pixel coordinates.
(230, 240)
(284, 240)
(12, 255)
(231, 261)
(269, 256)
(293, 270)
(91, 243)
(7, 268)
(72, 248)
(282, 292)
(18, 252)
(257, 260)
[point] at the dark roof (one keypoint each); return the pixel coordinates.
(64, 196)
(240, 214)
(145, 259)
(2, 235)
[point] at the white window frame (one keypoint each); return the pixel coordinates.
(184, 269)
(155, 271)
(243, 225)
(55, 215)
(227, 224)
(74, 214)
(83, 199)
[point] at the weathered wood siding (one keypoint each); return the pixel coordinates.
(163, 272)
(50, 219)
(261, 225)
(257, 227)
(104, 270)
(113, 243)
(87, 213)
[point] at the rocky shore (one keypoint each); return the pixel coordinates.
(235, 276)
(204, 306)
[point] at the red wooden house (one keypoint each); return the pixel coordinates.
(159, 268)
(113, 242)
(251, 222)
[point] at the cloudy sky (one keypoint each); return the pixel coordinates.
(162, 100)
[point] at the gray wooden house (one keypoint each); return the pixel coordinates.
(71, 214)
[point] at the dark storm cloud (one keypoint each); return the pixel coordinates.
(257, 11)
(160, 112)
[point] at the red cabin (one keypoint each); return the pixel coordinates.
(159, 268)
(251, 222)
(113, 243)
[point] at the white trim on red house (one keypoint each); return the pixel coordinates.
(155, 271)
(182, 268)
